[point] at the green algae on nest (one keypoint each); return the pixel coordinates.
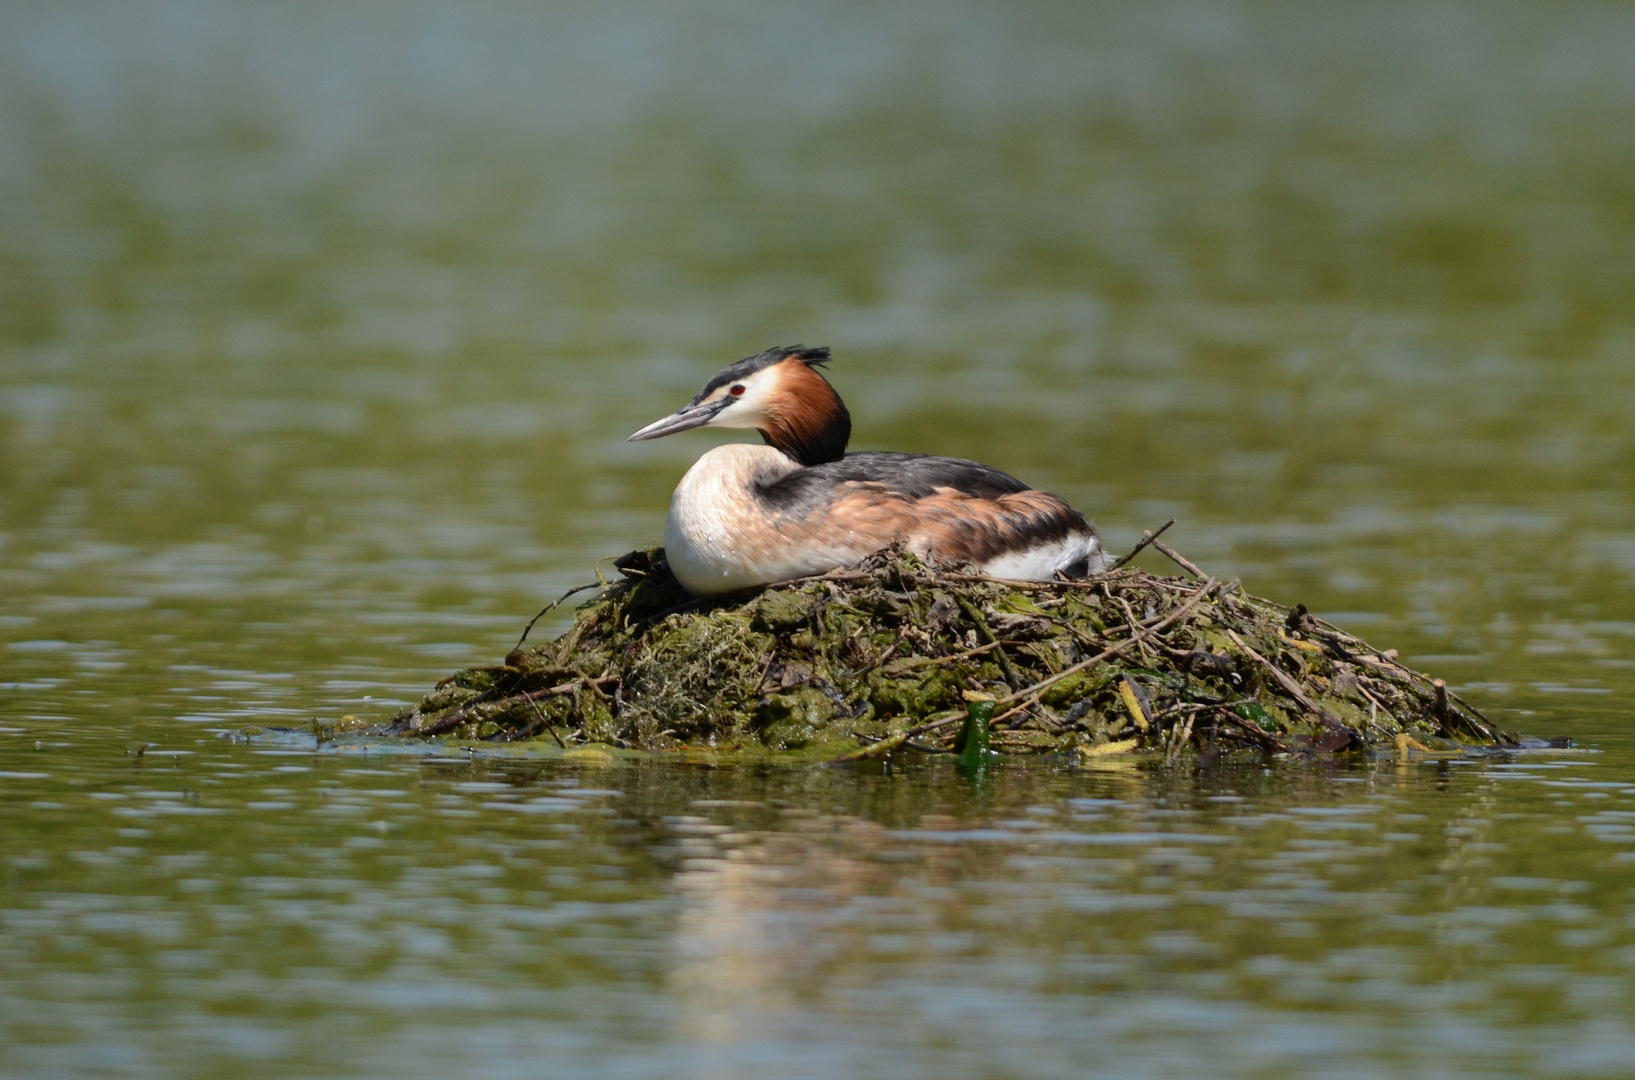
(882, 655)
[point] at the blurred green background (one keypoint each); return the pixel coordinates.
(321, 328)
(349, 307)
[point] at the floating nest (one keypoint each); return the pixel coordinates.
(887, 657)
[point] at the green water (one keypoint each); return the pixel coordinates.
(321, 327)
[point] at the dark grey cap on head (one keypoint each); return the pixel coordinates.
(749, 365)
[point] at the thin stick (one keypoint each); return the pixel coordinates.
(1146, 538)
(564, 688)
(974, 613)
(1032, 693)
(1291, 687)
(452, 720)
(1446, 714)
(1502, 739)
(548, 608)
(543, 719)
(1071, 629)
(1178, 558)
(1374, 707)
(1012, 583)
(1252, 731)
(902, 635)
(771, 654)
(1010, 712)
(1129, 615)
(1182, 734)
(591, 684)
(1044, 684)
(1118, 628)
(929, 661)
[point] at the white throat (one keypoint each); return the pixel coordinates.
(719, 536)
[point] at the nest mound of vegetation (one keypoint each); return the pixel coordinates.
(888, 655)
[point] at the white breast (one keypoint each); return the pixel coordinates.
(719, 537)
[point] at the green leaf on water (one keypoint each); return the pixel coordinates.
(974, 736)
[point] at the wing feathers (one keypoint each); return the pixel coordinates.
(947, 507)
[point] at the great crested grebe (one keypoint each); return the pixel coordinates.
(750, 515)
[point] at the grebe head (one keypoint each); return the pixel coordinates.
(778, 392)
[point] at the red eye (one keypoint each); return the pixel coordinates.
(735, 391)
